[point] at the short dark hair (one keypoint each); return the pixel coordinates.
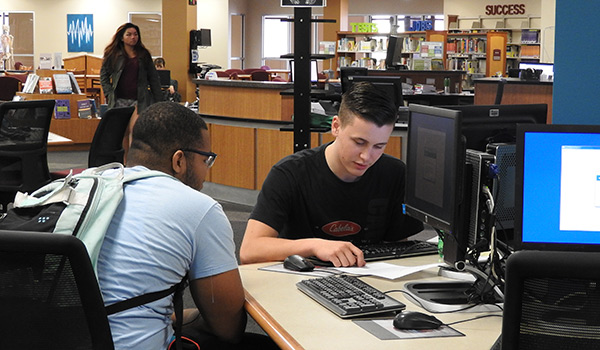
(364, 100)
(165, 127)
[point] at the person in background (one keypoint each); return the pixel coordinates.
(165, 228)
(170, 94)
(128, 76)
(317, 202)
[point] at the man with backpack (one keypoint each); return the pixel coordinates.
(165, 229)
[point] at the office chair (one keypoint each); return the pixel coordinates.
(49, 294)
(24, 127)
(552, 301)
(9, 86)
(260, 75)
(107, 144)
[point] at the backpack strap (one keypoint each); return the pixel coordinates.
(176, 290)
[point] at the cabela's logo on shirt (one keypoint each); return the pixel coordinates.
(341, 228)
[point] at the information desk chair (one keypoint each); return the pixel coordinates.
(107, 144)
(24, 127)
(9, 87)
(49, 294)
(552, 301)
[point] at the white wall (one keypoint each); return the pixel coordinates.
(50, 18)
(214, 15)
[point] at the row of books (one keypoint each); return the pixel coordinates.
(468, 65)
(64, 83)
(466, 46)
(86, 109)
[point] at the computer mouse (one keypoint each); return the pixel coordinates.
(416, 320)
(298, 263)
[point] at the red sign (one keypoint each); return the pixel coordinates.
(507, 9)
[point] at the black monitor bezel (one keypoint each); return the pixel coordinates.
(396, 80)
(423, 211)
(522, 129)
(483, 119)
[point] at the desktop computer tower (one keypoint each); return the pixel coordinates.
(504, 188)
(501, 183)
(479, 215)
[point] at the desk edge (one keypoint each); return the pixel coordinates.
(279, 335)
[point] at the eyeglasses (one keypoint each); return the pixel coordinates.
(211, 156)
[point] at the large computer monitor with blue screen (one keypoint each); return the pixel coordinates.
(558, 187)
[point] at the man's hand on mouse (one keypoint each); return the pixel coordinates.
(341, 254)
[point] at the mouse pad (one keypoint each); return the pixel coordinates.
(384, 330)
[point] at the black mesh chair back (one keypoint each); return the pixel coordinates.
(552, 301)
(107, 144)
(24, 127)
(49, 294)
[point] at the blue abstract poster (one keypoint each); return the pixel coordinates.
(80, 33)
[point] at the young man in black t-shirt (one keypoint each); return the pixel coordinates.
(315, 202)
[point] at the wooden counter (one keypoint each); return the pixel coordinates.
(516, 91)
(245, 99)
(248, 148)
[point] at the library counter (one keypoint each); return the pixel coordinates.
(515, 91)
(245, 99)
(295, 321)
(249, 147)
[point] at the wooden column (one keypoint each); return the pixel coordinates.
(178, 18)
(338, 10)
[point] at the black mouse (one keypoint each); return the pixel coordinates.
(298, 263)
(416, 320)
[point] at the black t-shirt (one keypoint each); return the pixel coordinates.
(302, 198)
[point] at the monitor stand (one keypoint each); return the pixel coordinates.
(452, 296)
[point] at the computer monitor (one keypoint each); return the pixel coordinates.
(438, 188)
(558, 187)
(485, 124)
(164, 76)
(492, 129)
(393, 58)
(546, 68)
(389, 84)
(434, 174)
(347, 72)
(313, 71)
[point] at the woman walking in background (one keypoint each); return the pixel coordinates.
(128, 75)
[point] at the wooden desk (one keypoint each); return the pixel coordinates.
(295, 321)
(516, 91)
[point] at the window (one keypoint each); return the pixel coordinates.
(276, 39)
(20, 25)
(150, 24)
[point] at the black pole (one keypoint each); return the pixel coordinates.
(302, 54)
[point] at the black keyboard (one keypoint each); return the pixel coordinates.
(348, 296)
(394, 250)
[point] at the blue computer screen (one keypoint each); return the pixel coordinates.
(561, 187)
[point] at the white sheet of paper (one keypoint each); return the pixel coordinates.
(386, 270)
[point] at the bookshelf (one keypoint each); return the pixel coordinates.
(523, 34)
(359, 48)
